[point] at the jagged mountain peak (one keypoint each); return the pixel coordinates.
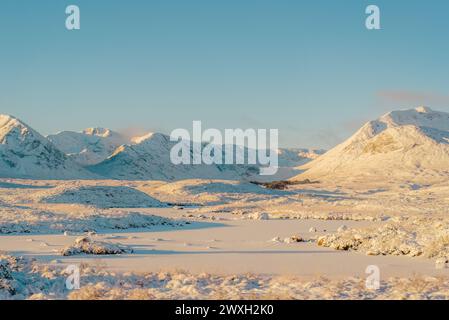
(100, 132)
(4, 118)
(24, 153)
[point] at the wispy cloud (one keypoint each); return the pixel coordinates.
(413, 98)
(131, 132)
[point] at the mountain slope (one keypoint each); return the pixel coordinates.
(401, 145)
(149, 159)
(89, 147)
(24, 153)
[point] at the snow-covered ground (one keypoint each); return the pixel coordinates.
(217, 230)
(24, 279)
(379, 199)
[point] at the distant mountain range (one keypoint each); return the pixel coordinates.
(399, 146)
(97, 153)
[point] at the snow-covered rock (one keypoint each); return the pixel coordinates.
(24, 153)
(85, 245)
(409, 236)
(293, 239)
(401, 145)
(260, 216)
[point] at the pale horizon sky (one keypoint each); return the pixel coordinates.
(308, 68)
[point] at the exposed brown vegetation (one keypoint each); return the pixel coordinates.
(283, 184)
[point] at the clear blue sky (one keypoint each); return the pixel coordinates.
(309, 68)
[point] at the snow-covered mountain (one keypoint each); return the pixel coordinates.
(149, 159)
(147, 156)
(89, 147)
(402, 145)
(98, 152)
(24, 153)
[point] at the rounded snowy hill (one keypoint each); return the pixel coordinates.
(24, 153)
(98, 196)
(406, 145)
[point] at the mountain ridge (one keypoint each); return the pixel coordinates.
(24, 153)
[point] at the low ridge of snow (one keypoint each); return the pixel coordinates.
(25, 221)
(404, 145)
(197, 186)
(24, 153)
(98, 196)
